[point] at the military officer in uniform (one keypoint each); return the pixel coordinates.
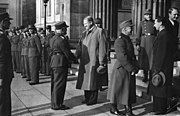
(49, 35)
(34, 55)
(61, 57)
(122, 87)
(146, 35)
(6, 68)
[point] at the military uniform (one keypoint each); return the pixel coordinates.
(48, 37)
(146, 34)
(15, 53)
(34, 55)
(25, 60)
(61, 57)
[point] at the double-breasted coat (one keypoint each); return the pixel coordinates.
(162, 61)
(146, 35)
(91, 51)
(122, 87)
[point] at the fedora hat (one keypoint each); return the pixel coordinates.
(4, 15)
(148, 11)
(159, 79)
(127, 23)
(101, 69)
(61, 24)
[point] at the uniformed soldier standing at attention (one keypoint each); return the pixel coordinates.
(49, 35)
(6, 68)
(61, 57)
(146, 35)
(34, 55)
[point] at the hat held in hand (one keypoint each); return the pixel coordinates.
(101, 69)
(159, 79)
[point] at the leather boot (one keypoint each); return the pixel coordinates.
(114, 110)
(128, 110)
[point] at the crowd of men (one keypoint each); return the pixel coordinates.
(29, 51)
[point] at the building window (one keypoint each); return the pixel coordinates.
(124, 4)
(57, 3)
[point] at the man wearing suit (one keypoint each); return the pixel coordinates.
(34, 55)
(60, 60)
(122, 87)
(162, 62)
(91, 51)
(172, 26)
(6, 69)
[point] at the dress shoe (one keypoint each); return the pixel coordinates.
(33, 83)
(116, 112)
(23, 76)
(28, 79)
(62, 107)
(91, 103)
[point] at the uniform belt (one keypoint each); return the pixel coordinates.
(147, 34)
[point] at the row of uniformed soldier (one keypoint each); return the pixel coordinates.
(30, 52)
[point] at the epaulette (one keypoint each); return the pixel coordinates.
(119, 37)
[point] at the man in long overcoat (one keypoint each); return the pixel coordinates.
(162, 62)
(91, 51)
(122, 87)
(146, 35)
(6, 68)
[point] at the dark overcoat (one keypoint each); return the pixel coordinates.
(173, 31)
(122, 87)
(91, 51)
(146, 34)
(6, 74)
(162, 61)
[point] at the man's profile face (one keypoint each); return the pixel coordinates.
(147, 17)
(87, 24)
(174, 15)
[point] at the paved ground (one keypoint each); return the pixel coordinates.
(35, 100)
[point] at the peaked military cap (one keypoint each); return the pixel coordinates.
(4, 15)
(97, 21)
(148, 11)
(31, 27)
(127, 23)
(61, 24)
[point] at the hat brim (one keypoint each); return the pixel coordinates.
(158, 83)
